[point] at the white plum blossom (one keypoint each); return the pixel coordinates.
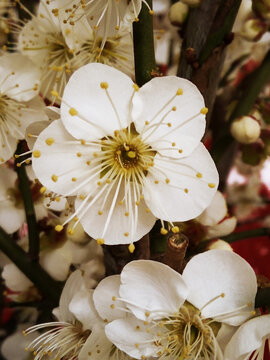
(20, 104)
(250, 341)
(129, 154)
(179, 317)
(215, 218)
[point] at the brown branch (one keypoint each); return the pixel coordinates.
(175, 252)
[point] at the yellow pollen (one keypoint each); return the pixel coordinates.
(42, 190)
(79, 154)
(136, 19)
(180, 151)
(199, 175)
(36, 153)
(49, 141)
(113, 298)
(83, 142)
(100, 241)
(146, 122)
(116, 27)
(179, 91)
(211, 185)
(175, 229)
(59, 228)
(136, 345)
(186, 190)
(131, 154)
(147, 210)
(120, 202)
(88, 162)
(104, 85)
(204, 111)
(174, 108)
(173, 144)
(112, 306)
(137, 203)
(167, 181)
(222, 295)
(147, 313)
(137, 327)
(131, 248)
(126, 234)
(136, 87)
(54, 178)
(71, 231)
(73, 111)
(108, 181)
(127, 213)
(253, 312)
(57, 198)
(82, 197)
(151, 12)
(29, 135)
(100, 212)
(74, 179)
(156, 181)
(54, 93)
(99, 183)
(163, 231)
(145, 323)
(169, 124)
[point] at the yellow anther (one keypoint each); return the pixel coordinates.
(73, 111)
(163, 231)
(16, 156)
(147, 210)
(82, 197)
(146, 122)
(174, 108)
(59, 228)
(88, 162)
(136, 345)
(186, 190)
(120, 202)
(136, 19)
(156, 181)
(127, 213)
(112, 306)
(95, 27)
(179, 91)
(211, 185)
(79, 154)
(116, 27)
(49, 141)
(137, 327)
(145, 323)
(175, 229)
(71, 231)
(29, 135)
(173, 144)
(131, 248)
(76, 218)
(180, 151)
(136, 87)
(222, 295)
(27, 161)
(67, 31)
(148, 331)
(104, 85)
(167, 181)
(42, 189)
(253, 312)
(199, 175)
(100, 212)
(36, 153)
(151, 12)
(57, 198)
(113, 298)
(137, 203)
(74, 179)
(204, 111)
(169, 124)
(54, 178)
(147, 314)
(83, 142)
(99, 183)
(126, 234)
(18, 164)
(108, 181)
(54, 93)
(100, 241)
(131, 154)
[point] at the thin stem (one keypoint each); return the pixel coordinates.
(246, 234)
(143, 42)
(24, 186)
(50, 288)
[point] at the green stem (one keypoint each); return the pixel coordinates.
(246, 234)
(24, 186)
(143, 42)
(50, 288)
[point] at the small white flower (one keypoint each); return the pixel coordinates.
(19, 101)
(179, 317)
(250, 341)
(129, 155)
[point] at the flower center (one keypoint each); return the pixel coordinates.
(189, 336)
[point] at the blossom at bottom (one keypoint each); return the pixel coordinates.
(179, 317)
(251, 340)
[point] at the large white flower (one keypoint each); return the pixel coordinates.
(128, 154)
(19, 101)
(179, 317)
(250, 341)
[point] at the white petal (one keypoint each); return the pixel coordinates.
(130, 336)
(154, 102)
(35, 129)
(15, 280)
(63, 161)
(120, 225)
(217, 272)
(56, 265)
(179, 190)
(249, 337)
(226, 227)
(97, 346)
(8, 145)
(8, 178)
(106, 297)
(215, 212)
(82, 307)
(224, 335)
(19, 77)
(151, 289)
(11, 217)
(100, 111)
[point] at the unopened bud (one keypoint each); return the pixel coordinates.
(261, 8)
(192, 3)
(253, 29)
(246, 130)
(178, 13)
(219, 244)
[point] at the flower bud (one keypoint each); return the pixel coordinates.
(261, 8)
(178, 13)
(253, 29)
(245, 130)
(219, 244)
(192, 3)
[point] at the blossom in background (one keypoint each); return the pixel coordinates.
(133, 154)
(250, 341)
(178, 316)
(19, 101)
